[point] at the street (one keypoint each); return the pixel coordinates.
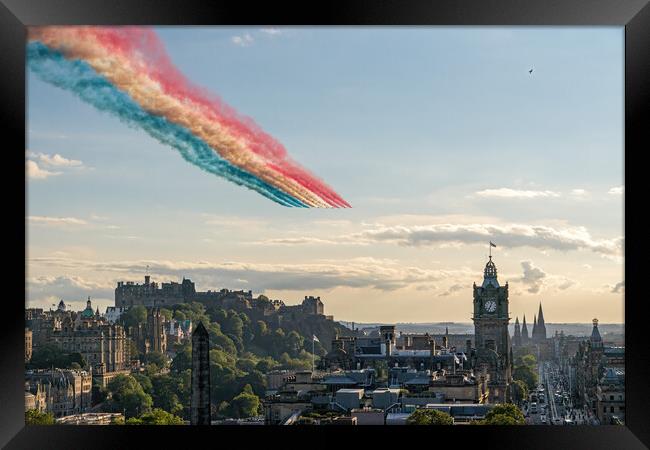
(551, 402)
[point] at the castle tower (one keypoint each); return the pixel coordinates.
(517, 336)
(541, 327)
(524, 333)
(200, 396)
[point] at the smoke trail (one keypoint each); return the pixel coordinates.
(144, 45)
(134, 61)
(78, 77)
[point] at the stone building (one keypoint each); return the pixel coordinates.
(610, 396)
(152, 335)
(313, 305)
(60, 391)
(102, 345)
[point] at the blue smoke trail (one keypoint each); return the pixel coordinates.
(81, 79)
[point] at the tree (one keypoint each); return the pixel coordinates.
(527, 375)
(127, 395)
(157, 358)
(266, 365)
(144, 381)
(180, 315)
(504, 414)
(183, 359)
(166, 313)
(245, 404)
(134, 316)
(167, 390)
(520, 390)
(500, 419)
(160, 417)
(429, 417)
(50, 355)
(35, 417)
(529, 360)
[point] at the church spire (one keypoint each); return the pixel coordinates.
(524, 332)
(517, 335)
(540, 315)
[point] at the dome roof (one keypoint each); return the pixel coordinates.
(490, 275)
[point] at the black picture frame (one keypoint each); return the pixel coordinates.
(634, 15)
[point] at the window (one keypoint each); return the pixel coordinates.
(611, 409)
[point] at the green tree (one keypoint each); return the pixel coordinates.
(160, 417)
(504, 414)
(266, 365)
(246, 404)
(157, 358)
(50, 355)
(527, 375)
(183, 359)
(167, 392)
(429, 417)
(35, 417)
(144, 381)
(180, 316)
(128, 395)
(166, 313)
(133, 316)
(519, 390)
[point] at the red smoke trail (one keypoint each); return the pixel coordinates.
(149, 50)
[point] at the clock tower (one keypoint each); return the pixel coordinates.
(491, 337)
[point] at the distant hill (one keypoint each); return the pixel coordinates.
(574, 329)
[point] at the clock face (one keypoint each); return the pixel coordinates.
(490, 306)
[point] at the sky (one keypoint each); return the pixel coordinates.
(439, 138)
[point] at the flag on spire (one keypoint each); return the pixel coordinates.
(315, 338)
(492, 244)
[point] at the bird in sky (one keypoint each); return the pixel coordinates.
(530, 71)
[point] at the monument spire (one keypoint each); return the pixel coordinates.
(200, 397)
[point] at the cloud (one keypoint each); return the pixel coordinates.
(515, 193)
(243, 41)
(579, 193)
(533, 277)
(541, 237)
(40, 166)
(36, 173)
(508, 235)
(618, 190)
(380, 274)
(454, 288)
(56, 160)
(271, 31)
(56, 221)
(587, 266)
(67, 288)
(565, 284)
(618, 288)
